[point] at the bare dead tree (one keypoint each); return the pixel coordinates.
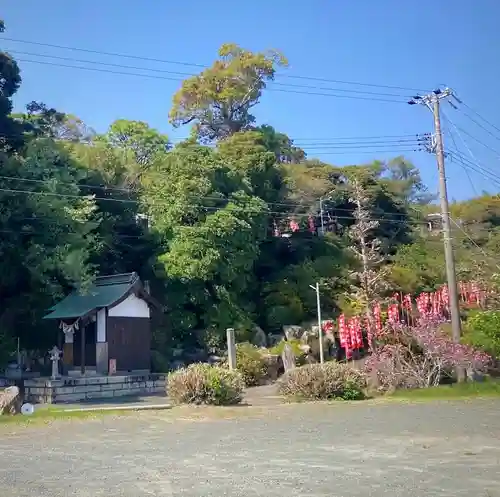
(370, 279)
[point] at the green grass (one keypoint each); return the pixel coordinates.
(48, 414)
(487, 388)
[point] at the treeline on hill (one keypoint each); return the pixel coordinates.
(198, 219)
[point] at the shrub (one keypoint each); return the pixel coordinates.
(251, 363)
(483, 331)
(331, 380)
(205, 384)
(421, 356)
(300, 355)
(159, 362)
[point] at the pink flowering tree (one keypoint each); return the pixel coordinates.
(420, 356)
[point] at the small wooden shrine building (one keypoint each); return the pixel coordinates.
(108, 323)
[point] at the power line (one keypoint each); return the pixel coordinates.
(316, 141)
(481, 126)
(462, 164)
(370, 151)
(197, 197)
(475, 244)
(158, 77)
(203, 66)
(204, 207)
(480, 116)
(164, 71)
(475, 139)
(476, 167)
(387, 138)
(389, 143)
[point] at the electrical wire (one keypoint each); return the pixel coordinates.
(485, 254)
(202, 66)
(450, 134)
(132, 201)
(164, 71)
(481, 126)
(474, 161)
(480, 116)
(476, 167)
(158, 77)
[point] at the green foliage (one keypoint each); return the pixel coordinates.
(418, 267)
(331, 380)
(251, 363)
(219, 99)
(7, 347)
(50, 238)
(159, 362)
(281, 145)
(205, 384)
(197, 221)
(296, 349)
(489, 387)
(482, 331)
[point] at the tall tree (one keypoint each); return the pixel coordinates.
(40, 120)
(370, 279)
(48, 236)
(281, 145)
(11, 132)
(219, 99)
(404, 180)
(145, 143)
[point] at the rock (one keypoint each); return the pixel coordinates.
(259, 339)
(273, 363)
(311, 339)
(293, 331)
(194, 355)
(473, 375)
(310, 359)
(178, 365)
(288, 358)
(274, 339)
(305, 348)
(10, 401)
(214, 359)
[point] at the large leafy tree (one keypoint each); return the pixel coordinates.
(11, 131)
(40, 120)
(210, 225)
(281, 145)
(47, 236)
(138, 138)
(404, 181)
(219, 99)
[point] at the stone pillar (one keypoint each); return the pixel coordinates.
(101, 352)
(231, 348)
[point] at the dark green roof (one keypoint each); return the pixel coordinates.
(105, 291)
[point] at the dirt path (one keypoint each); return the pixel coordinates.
(361, 449)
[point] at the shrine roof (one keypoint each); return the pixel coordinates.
(104, 292)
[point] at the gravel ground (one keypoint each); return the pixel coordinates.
(364, 449)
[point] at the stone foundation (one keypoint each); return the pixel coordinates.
(46, 391)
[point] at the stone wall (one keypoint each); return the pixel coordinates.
(46, 391)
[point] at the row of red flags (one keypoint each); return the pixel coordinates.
(433, 304)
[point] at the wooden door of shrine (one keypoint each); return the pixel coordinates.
(90, 345)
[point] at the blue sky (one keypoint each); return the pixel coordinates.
(385, 42)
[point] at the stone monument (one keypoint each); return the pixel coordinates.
(55, 355)
(288, 358)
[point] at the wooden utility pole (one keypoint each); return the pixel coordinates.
(431, 101)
